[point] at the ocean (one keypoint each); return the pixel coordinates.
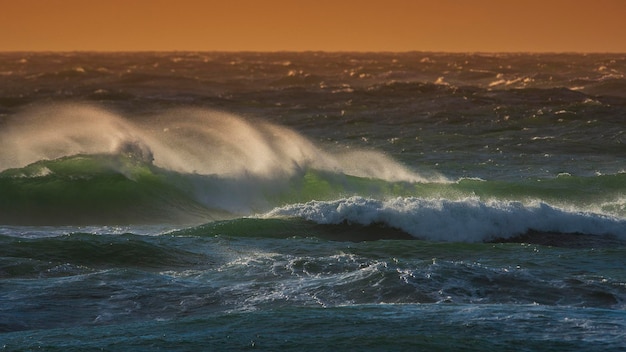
(312, 201)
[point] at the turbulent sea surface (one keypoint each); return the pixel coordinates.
(312, 201)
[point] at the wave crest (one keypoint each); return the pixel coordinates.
(191, 140)
(469, 220)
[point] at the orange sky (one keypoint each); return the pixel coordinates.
(330, 25)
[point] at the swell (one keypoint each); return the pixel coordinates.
(105, 189)
(125, 189)
(353, 231)
(281, 228)
(82, 253)
(95, 189)
(76, 164)
(601, 193)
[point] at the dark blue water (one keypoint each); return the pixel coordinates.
(312, 201)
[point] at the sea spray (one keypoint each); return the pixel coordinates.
(76, 164)
(194, 141)
(55, 131)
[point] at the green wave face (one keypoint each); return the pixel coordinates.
(602, 194)
(119, 189)
(96, 189)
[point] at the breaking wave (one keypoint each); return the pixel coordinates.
(468, 220)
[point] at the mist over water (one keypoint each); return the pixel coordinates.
(228, 165)
(195, 141)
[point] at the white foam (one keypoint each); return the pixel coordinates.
(468, 220)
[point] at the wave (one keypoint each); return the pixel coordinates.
(103, 189)
(81, 253)
(76, 164)
(126, 188)
(469, 220)
(193, 141)
(80, 165)
(94, 189)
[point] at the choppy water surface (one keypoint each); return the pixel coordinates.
(307, 201)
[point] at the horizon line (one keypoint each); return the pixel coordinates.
(312, 51)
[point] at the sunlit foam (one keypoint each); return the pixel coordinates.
(195, 141)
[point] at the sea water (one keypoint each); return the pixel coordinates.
(312, 201)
